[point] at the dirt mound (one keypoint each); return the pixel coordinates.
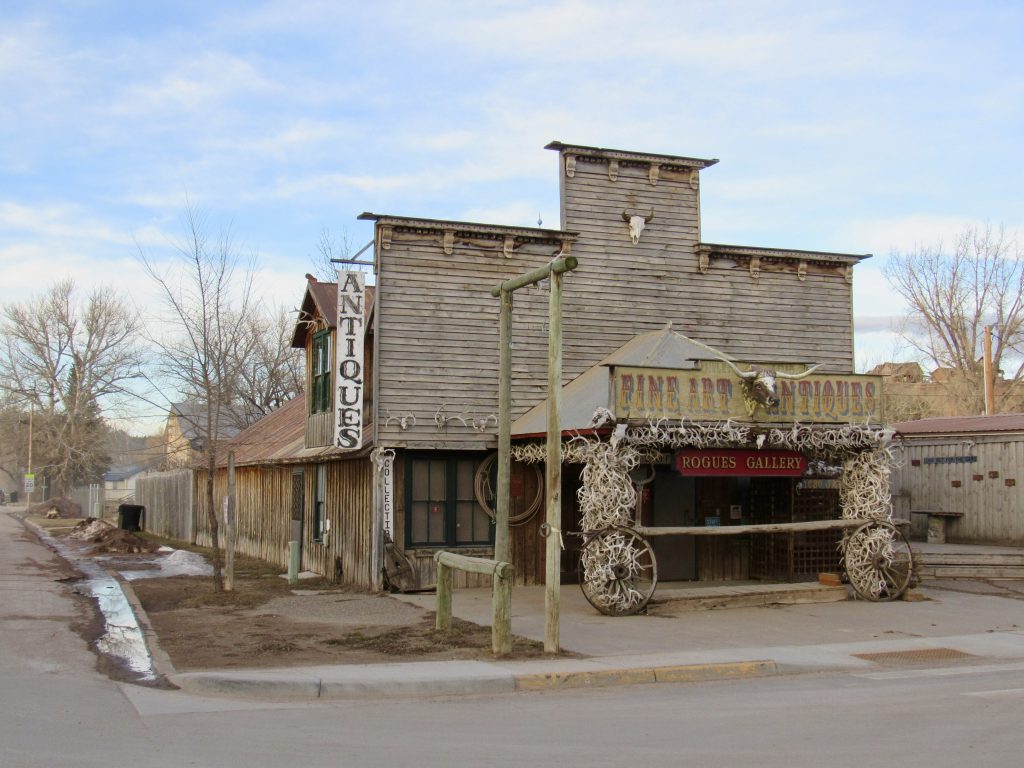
(59, 507)
(107, 538)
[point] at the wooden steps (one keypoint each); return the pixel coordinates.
(970, 565)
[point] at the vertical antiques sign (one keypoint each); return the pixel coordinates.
(349, 376)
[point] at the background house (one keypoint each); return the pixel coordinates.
(185, 430)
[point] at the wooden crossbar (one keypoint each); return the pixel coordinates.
(735, 530)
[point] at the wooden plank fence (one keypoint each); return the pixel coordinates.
(167, 497)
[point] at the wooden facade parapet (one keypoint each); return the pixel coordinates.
(625, 156)
(503, 237)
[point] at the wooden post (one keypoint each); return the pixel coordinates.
(502, 503)
(501, 620)
(501, 595)
(990, 392)
(553, 477)
(553, 270)
(229, 544)
(444, 597)
(293, 562)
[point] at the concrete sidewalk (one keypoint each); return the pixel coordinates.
(668, 645)
(672, 643)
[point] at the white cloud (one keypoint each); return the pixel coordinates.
(64, 222)
(885, 235)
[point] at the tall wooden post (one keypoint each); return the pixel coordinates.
(553, 478)
(553, 475)
(502, 503)
(229, 525)
(990, 387)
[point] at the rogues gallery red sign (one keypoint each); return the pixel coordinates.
(721, 462)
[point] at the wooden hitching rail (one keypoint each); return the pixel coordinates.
(735, 530)
(501, 600)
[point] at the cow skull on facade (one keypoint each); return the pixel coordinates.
(760, 385)
(636, 222)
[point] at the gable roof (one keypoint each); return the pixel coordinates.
(321, 299)
(191, 416)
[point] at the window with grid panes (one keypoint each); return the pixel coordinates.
(320, 398)
(442, 510)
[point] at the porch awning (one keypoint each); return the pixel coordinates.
(590, 390)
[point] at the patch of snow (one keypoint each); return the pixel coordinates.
(180, 562)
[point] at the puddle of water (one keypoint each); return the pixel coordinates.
(122, 637)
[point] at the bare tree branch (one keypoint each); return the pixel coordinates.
(953, 293)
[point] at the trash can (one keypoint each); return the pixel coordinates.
(14, 497)
(130, 516)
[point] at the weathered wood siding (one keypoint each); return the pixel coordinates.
(319, 428)
(263, 499)
(437, 323)
(167, 497)
(622, 289)
(988, 491)
(345, 553)
(263, 515)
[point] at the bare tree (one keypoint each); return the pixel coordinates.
(331, 247)
(271, 373)
(205, 337)
(953, 293)
(66, 359)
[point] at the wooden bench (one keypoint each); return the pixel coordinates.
(938, 523)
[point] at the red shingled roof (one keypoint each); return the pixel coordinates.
(1003, 422)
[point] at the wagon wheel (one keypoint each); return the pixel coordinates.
(618, 572)
(879, 563)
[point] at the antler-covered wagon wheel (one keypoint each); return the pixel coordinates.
(879, 563)
(618, 572)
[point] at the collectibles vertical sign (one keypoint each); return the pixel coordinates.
(387, 472)
(349, 341)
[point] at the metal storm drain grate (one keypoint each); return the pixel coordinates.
(923, 656)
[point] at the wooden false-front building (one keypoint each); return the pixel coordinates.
(648, 292)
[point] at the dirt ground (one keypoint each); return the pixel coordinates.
(264, 622)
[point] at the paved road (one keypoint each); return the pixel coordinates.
(57, 710)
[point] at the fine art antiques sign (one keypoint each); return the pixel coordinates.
(715, 393)
(349, 378)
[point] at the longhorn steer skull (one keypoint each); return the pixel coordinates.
(760, 385)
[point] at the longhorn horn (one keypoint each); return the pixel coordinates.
(741, 374)
(649, 217)
(803, 375)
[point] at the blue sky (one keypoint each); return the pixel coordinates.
(854, 127)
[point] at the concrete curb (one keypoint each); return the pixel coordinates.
(679, 673)
(159, 659)
(446, 679)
